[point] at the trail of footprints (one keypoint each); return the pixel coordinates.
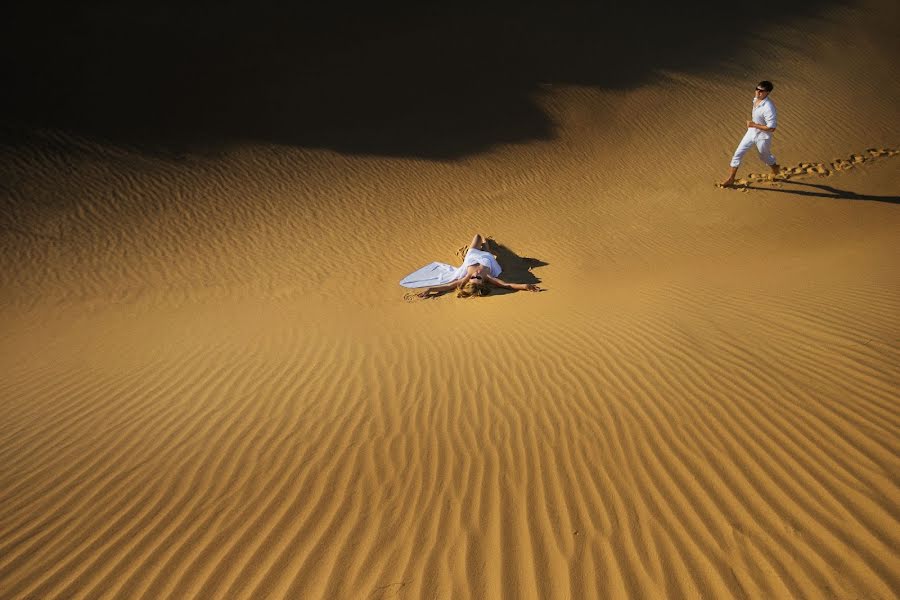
(806, 169)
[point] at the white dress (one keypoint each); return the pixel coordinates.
(437, 273)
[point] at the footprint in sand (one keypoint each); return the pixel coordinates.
(808, 169)
(877, 152)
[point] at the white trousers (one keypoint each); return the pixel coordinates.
(763, 146)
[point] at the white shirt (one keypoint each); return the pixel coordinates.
(764, 113)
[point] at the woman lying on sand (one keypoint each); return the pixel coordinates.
(473, 278)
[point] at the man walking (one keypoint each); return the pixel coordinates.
(759, 132)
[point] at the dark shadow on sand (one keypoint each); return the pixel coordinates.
(832, 192)
(516, 269)
(432, 80)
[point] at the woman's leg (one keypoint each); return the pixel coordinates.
(477, 241)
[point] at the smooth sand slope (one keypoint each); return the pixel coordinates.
(211, 386)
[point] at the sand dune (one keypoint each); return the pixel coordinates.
(212, 386)
(692, 451)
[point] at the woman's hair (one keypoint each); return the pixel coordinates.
(473, 288)
(766, 85)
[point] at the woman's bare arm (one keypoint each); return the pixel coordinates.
(531, 287)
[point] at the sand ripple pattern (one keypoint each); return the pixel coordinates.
(663, 453)
(210, 386)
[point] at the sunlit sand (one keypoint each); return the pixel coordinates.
(211, 385)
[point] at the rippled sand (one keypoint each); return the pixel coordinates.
(211, 386)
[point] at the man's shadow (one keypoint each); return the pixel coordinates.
(832, 193)
(516, 269)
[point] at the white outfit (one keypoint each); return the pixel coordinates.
(478, 257)
(436, 273)
(764, 113)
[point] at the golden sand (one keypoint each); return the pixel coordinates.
(210, 385)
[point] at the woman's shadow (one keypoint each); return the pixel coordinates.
(516, 269)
